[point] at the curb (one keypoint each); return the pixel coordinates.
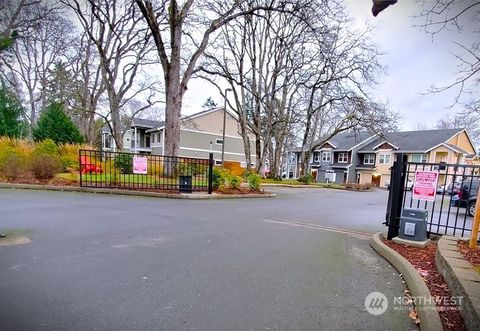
(462, 279)
(429, 317)
(189, 196)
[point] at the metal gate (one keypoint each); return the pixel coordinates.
(447, 214)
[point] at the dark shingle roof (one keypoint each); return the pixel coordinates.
(413, 141)
(345, 141)
(148, 124)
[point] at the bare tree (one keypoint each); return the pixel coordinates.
(182, 31)
(122, 42)
(261, 57)
(44, 37)
(463, 16)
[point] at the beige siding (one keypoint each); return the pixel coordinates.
(200, 144)
(365, 177)
(461, 140)
(213, 122)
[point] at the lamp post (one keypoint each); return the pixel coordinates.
(224, 121)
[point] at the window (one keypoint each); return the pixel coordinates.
(291, 158)
(326, 156)
(420, 158)
(316, 157)
(369, 159)
(218, 162)
(343, 158)
(384, 159)
(153, 138)
(219, 141)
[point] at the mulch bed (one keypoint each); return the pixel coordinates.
(423, 259)
(471, 255)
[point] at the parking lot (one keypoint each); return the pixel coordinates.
(300, 261)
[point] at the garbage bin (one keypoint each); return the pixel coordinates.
(413, 224)
(185, 185)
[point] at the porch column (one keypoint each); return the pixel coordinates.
(135, 140)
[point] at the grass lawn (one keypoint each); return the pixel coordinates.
(129, 179)
(296, 182)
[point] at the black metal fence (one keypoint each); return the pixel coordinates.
(446, 213)
(131, 171)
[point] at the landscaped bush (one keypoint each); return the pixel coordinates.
(234, 168)
(154, 167)
(192, 168)
(253, 180)
(358, 187)
(124, 163)
(307, 179)
(44, 166)
(13, 155)
(13, 166)
(47, 147)
(219, 177)
(234, 182)
(69, 156)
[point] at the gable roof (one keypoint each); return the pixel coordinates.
(144, 123)
(345, 141)
(413, 141)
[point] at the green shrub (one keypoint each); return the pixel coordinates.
(124, 163)
(253, 180)
(234, 182)
(44, 166)
(219, 177)
(47, 147)
(307, 179)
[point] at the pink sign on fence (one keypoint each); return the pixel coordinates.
(425, 185)
(140, 165)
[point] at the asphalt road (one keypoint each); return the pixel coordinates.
(100, 262)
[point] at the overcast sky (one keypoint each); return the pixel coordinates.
(413, 59)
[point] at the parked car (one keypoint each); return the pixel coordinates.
(453, 188)
(467, 197)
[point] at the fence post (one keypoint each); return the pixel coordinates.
(80, 166)
(397, 184)
(210, 173)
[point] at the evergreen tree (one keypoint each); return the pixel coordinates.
(11, 111)
(209, 104)
(56, 125)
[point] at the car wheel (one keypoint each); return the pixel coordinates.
(471, 208)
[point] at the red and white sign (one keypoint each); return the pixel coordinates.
(140, 165)
(425, 185)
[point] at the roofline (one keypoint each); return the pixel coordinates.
(386, 141)
(363, 141)
(447, 146)
(469, 140)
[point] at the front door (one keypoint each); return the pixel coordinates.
(376, 180)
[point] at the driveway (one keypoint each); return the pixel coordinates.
(100, 262)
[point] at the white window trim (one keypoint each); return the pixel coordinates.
(218, 162)
(316, 156)
(423, 158)
(324, 159)
(217, 141)
(343, 157)
(382, 159)
(369, 156)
